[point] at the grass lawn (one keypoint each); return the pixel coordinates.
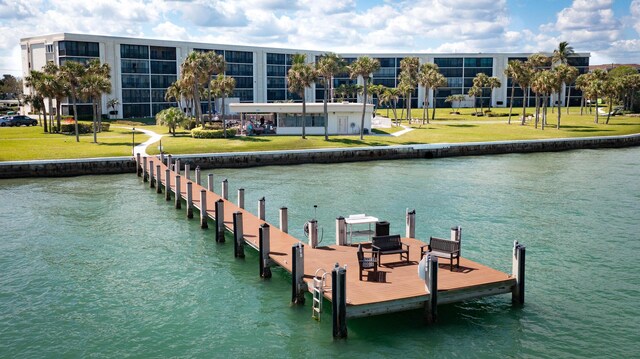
(29, 143)
(26, 143)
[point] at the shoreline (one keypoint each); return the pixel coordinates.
(118, 165)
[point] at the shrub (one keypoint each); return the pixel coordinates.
(105, 127)
(189, 125)
(201, 133)
(70, 128)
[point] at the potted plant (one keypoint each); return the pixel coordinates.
(112, 103)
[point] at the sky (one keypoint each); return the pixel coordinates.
(608, 29)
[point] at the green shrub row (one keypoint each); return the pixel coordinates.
(200, 133)
(82, 127)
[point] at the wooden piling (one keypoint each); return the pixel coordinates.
(169, 161)
(138, 164)
(203, 209)
(238, 235)
(151, 170)
(298, 286)
(241, 198)
(341, 231)
(198, 176)
(431, 281)
(313, 233)
(456, 235)
(261, 209)
(144, 169)
(210, 182)
(167, 184)
(220, 221)
(177, 166)
(158, 180)
(339, 301)
(519, 255)
(265, 248)
(284, 219)
(187, 171)
(225, 189)
(189, 199)
(411, 224)
(177, 192)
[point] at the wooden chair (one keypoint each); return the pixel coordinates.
(367, 263)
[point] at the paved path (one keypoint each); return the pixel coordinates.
(142, 148)
(400, 133)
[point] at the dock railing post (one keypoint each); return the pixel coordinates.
(313, 233)
(225, 189)
(411, 224)
(339, 301)
(151, 175)
(220, 221)
(519, 254)
(178, 193)
(138, 164)
(297, 274)
(431, 281)
(238, 235)
(241, 198)
(265, 248)
(341, 231)
(210, 182)
(167, 184)
(158, 180)
(144, 169)
(198, 176)
(203, 209)
(177, 166)
(261, 208)
(456, 235)
(189, 199)
(169, 161)
(187, 171)
(284, 219)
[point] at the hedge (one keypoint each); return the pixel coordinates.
(82, 127)
(200, 133)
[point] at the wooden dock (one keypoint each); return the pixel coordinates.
(402, 288)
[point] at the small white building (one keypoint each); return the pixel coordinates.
(344, 118)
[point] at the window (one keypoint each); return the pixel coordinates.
(276, 82)
(162, 81)
(244, 82)
(79, 48)
(49, 48)
(163, 53)
(244, 95)
(134, 66)
(135, 81)
(163, 67)
(448, 62)
(274, 70)
(275, 59)
(239, 70)
(134, 51)
(387, 61)
(239, 57)
(135, 96)
(478, 62)
(135, 110)
(276, 95)
(295, 120)
(158, 95)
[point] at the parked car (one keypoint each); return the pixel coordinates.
(18, 120)
(4, 120)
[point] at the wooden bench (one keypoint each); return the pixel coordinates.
(391, 244)
(443, 248)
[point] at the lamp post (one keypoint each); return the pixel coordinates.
(133, 140)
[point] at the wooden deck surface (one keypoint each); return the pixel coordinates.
(402, 290)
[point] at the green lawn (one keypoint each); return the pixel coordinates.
(26, 143)
(29, 143)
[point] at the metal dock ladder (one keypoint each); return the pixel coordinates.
(319, 287)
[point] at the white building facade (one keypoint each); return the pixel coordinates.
(142, 69)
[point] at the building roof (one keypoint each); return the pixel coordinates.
(296, 107)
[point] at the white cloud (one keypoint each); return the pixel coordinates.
(634, 9)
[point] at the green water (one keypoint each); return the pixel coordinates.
(101, 266)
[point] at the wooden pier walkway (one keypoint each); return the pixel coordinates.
(402, 289)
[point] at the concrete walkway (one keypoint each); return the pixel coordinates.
(142, 148)
(400, 133)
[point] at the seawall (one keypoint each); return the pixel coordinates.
(92, 166)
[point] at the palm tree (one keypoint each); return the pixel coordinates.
(565, 74)
(513, 70)
(481, 81)
(174, 92)
(582, 84)
(213, 64)
(561, 54)
(392, 95)
(171, 117)
(475, 91)
(545, 83)
(327, 67)
(405, 88)
(194, 75)
(73, 72)
(223, 87)
(300, 77)
(597, 86)
(94, 83)
(438, 81)
(425, 78)
(493, 84)
(524, 78)
(537, 63)
(36, 82)
(363, 67)
(453, 99)
(409, 67)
